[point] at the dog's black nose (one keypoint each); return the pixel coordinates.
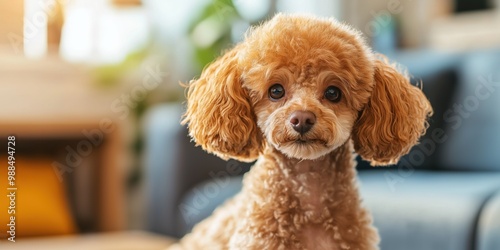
(302, 121)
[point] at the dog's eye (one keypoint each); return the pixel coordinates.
(333, 94)
(276, 92)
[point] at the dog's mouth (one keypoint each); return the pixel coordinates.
(306, 141)
(301, 141)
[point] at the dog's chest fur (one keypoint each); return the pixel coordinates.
(325, 192)
(312, 186)
(315, 237)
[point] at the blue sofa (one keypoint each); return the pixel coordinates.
(444, 195)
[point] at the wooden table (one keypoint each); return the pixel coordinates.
(49, 100)
(128, 240)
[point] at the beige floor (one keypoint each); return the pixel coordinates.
(131, 240)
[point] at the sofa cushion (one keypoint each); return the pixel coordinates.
(427, 210)
(203, 199)
(473, 122)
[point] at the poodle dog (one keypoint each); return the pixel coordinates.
(301, 95)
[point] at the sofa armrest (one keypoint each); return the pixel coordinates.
(488, 228)
(162, 131)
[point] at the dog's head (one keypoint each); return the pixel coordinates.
(305, 86)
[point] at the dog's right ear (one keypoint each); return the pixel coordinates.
(219, 115)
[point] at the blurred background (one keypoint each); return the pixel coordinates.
(90, 90)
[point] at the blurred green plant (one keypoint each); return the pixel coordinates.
(210, 32)
(110, 74)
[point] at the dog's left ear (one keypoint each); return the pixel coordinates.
(393, 119)
(219, 115)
